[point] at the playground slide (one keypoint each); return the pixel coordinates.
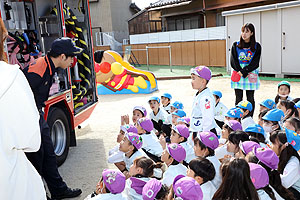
(116, 76)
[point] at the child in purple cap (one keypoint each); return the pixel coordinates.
(268, 159)
(151, 145)
(158, 116)
(140, 172)
(110, 186)
(204, 146)
(187, 188)
(236, 182)
(172, 156)
(245, 148)
(115, 155)
(285, 144)
(154, 189)
(203, 171)
(131, 146)
(203, 109)
(260, 179)
(137, 113)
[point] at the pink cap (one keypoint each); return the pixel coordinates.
(209, 139)
(176, 151)
(151, 189)
(259, 176)
(267, 156)
(202, 71)
(187, 188)
(248, 146)
(182, 130)
(146, 124)
(135, 139)
(234, 125)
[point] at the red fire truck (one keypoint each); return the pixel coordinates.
(32, 26)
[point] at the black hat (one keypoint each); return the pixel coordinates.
(65, 46)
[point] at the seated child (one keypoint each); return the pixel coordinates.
(267, 104)
(187, 188)
(155, 190)
(172, 156)
(234, 140)
(283, 92)
(151, 145)
(220, 108)
(245, 148)
(174, 107)
(288, 108)
(166, 102)
(140, 173)
(257, 132)
(184, 121)
(260, 180)
(272, 122)
(110, 186)
(158, 116)
(293, 124)
(204, 146)
(131, 146)
(203, 171)
(115, 155)
(246, 108)
(234, 114)
(137, 113)
(179, 113)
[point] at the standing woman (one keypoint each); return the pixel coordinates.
(245, 56)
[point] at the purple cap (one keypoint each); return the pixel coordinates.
(248, 146)
(234, 125)
(146, 124)
(187, 120)
(267, 156)
(135, 139)
(142, 109)
(209, 139)
(202, 71)
(137, 185)
(151, 189)
(128, 128)
(182, 130)
(259, 176)
(187, 188)
(176, 151)
(114, 180)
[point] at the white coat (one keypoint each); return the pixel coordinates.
(216, 163)
(190, 153)
(220, 111)
(208, 190)
(130, 193)
(172, 172)
(19, 133)
(129, 161)
(291, 174)
(151, 144)
(246, 122)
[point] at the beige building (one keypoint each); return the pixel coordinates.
(110, 16)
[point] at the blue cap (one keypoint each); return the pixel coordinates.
(65, 46)
(297, 105)
(177, 105)
(154, 99)
(293, 139)
(245, 105)
(268, 103)
(217, 93)
(284, 83)
(179, 113)
(234, 113)
(255, 128)
(167, 95)
(274, 115)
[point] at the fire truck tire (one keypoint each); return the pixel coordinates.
(60, 133)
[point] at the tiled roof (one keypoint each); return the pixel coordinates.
(165, 2)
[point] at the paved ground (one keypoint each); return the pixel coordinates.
(85, 162)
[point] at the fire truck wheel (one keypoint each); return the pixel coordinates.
(60, 133)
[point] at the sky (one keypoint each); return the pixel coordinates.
(143, 3)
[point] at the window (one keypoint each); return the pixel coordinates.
(220, 20)
(184, 22)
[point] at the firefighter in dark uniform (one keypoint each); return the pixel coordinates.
(39, 76)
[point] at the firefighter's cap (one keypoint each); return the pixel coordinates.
(65, 45)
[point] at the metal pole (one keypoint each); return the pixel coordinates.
(170, 58)
(147, 57)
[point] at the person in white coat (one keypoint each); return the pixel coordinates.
(19, 133)
(110, 187)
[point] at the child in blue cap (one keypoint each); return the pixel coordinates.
(283, 92)
(246, 107)
(220, 108)
(297, 105)
(267, 104)
(272, 121)
(289, 109)
(256, 131)
(293, 124)
(234, 114)
(158, 116)
(286, 144)
(166, 102)
(203, 110)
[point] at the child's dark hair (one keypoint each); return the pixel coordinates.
(289, 105)
(244, 110)
(217, 97)
(274, 123)
(236, 182)
(277, 98)
(296, 100)
(274, 178)
(257, 136)
(228, 128)
(269, 191)
(163, 192)
(175, 162)
(263, 113)
(236, 136)
(147, 165)
(203, 168)
(197, 141)
(287, 152)
(295, 122)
